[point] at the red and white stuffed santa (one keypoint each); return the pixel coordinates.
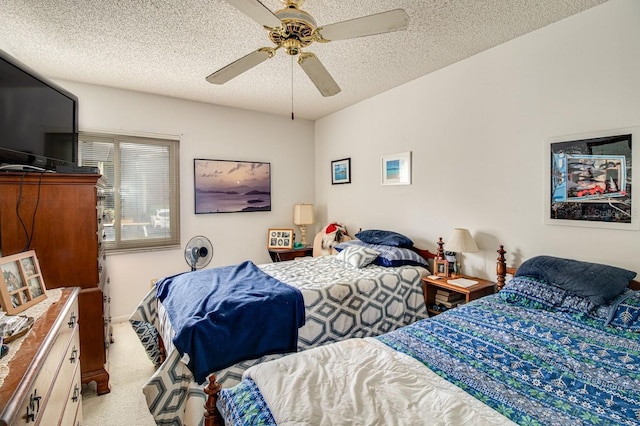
(333, 234)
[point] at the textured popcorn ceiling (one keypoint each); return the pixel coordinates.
(168, 47)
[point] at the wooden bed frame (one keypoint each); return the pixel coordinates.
(212, 416)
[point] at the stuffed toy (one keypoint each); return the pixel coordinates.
(333, 234)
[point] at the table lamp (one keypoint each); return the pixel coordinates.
(461, 241)
(303, 216)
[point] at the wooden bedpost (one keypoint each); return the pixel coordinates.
(440, 252)
(212, 416)
(501, 267)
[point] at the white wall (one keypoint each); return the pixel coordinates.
(478, 131)
(205, 131)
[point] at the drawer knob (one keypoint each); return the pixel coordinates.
(72, 320)
(76, 394)
(34, 406)
(74, 355)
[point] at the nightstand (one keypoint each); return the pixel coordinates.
(280, 255)
(430, 287)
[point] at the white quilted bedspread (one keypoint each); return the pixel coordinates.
(339, 372)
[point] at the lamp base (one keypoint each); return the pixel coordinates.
(303, 233)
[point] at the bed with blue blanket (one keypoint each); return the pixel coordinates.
(558, 345)
(350, 294)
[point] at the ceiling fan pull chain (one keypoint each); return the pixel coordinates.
(292, 87)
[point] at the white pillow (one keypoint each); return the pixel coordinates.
(358, 256)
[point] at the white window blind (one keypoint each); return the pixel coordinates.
(141, 206)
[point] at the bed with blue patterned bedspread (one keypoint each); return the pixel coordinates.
(341, 301)
(532, 354)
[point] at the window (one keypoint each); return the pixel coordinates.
(141, 206)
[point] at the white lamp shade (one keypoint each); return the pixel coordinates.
(461, 241)
(303, 214)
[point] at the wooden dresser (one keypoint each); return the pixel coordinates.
(60, 217)
(43, 385)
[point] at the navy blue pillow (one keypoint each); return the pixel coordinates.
(599, 283)
(385, 238)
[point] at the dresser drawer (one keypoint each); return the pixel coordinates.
(72, 409)
(63, 386)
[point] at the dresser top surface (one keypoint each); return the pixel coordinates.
(34, 345)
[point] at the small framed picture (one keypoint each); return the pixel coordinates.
(441, 267)
(279, 238)
(21, 283)
(396, 169)
(341, 171)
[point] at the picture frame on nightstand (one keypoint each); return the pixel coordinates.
(441, 267)
(278, 238)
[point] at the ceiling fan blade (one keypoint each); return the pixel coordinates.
(385, 22)
(318, 74)
(256, 11)
(243, 64)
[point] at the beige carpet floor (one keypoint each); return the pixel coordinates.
(129, 369)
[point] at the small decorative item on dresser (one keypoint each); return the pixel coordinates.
(21, 284)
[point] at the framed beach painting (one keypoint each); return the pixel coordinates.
(341, 171)
(225, 186)
(396, 169)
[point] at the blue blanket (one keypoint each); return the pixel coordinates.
(225, 315)
(536, 367)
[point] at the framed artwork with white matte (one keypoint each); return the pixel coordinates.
(589, 180)
(341, 171)
(396, 169)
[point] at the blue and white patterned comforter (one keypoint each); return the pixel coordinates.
(532, 366)
(341, 302)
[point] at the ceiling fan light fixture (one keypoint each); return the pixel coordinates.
(296, 24)
(294, 29)
(292, 46)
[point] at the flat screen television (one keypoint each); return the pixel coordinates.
(38, 119)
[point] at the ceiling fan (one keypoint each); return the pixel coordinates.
(292, 29)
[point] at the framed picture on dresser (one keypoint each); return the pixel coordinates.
(21, 283)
